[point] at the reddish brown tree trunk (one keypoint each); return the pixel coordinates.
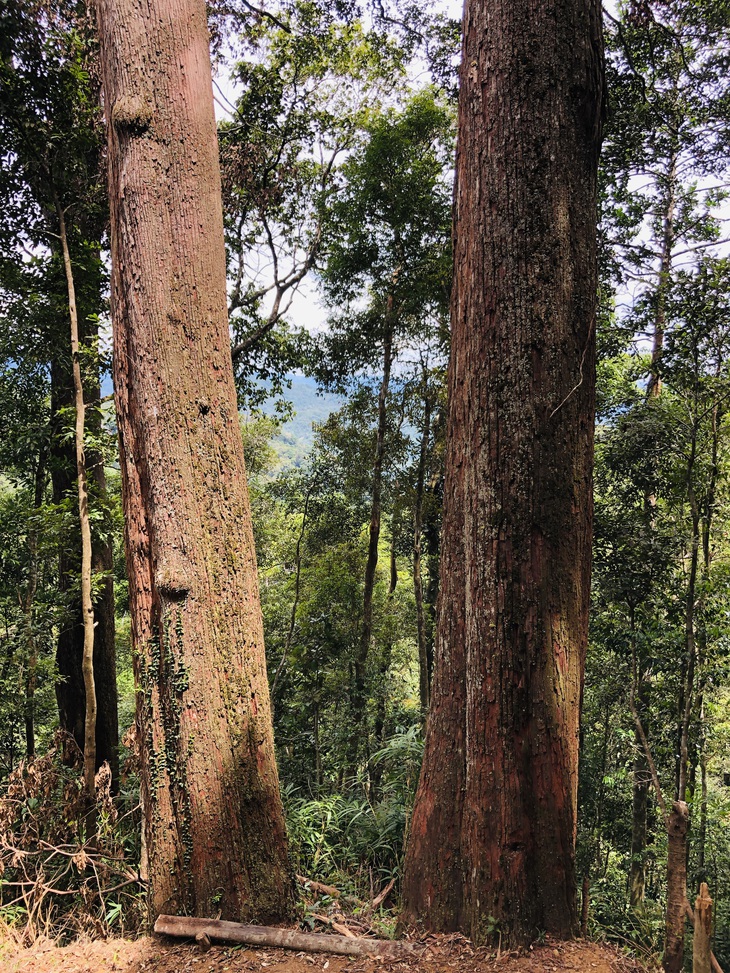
(493, 830)
(213, 819)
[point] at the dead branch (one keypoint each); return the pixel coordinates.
(382, 896)
(337, 926)
(319, 886)
(235, 932)
(689, 912)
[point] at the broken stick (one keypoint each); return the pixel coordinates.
(689, 912)
(235, 932)
(319, 886)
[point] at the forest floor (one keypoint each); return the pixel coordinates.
(441, 954)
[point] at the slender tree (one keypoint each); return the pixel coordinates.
(493, 829)
(87, 605)
(50, 124)
(213, 819)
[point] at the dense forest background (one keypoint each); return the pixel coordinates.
(336, 147)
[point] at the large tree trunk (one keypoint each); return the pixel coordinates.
(493, 830)
(213, 818)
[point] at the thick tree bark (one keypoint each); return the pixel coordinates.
(213, 819)
(493, 830)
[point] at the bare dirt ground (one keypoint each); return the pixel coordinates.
(433, 955)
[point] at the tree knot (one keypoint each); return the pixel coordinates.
(132, 113)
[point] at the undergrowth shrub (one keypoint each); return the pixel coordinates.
(356, 838)
(65, 869)
(612, 919)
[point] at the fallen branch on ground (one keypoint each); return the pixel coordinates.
(337, 926)
(235, 932)
(382, 896)
(319, 887)
(330, 890)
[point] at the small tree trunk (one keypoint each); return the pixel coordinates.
(690, 642)
(653, 387)
(317, 743)
(676, 888)
(297, 594)
(102, 566)
(70, 692)
(87, 663)
(701, 951)
(376, 770)
(637, 874)
(585, 906)
(702, 835)
(359, 695)
(424, 675)
(27, 599)
(641, 784)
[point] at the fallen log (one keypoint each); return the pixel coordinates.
(235, 932)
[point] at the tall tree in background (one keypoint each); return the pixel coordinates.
(50, 128)
(493, 830)
(213, 819)
(389, 242)
(665, 170)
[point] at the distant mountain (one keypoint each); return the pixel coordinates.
(296, 437)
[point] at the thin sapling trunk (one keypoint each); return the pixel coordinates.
(87, 606)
